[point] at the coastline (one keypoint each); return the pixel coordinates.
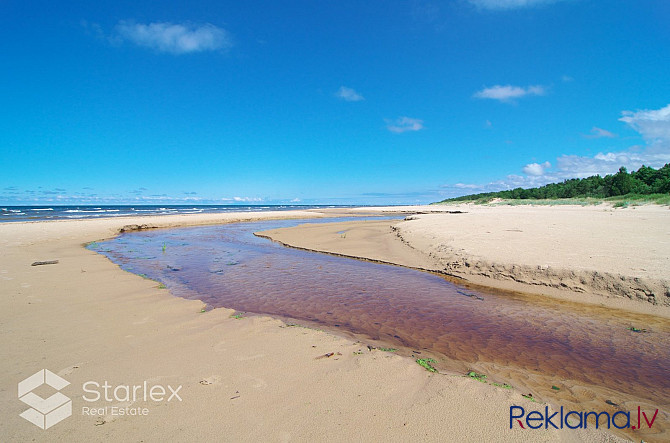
(243, 379)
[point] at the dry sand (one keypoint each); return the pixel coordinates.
(242, 379)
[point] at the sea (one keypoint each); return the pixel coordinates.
(39, 213)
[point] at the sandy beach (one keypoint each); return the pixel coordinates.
(255, 378)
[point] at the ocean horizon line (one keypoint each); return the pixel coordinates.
(17, 213)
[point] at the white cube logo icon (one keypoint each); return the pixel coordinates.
(44, 413)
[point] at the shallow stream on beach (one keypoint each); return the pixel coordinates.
(577, 356)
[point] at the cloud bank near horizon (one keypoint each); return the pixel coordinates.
(652, 125)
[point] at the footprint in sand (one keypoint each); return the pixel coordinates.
(69, 370)
(211, 380)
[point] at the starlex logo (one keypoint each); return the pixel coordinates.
(577, 420)
(44, 413)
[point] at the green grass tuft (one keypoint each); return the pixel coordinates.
(477, 376)
(426, 363)
(388, 349)
(296, 325)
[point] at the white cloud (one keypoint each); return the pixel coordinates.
(508, 93)
(348, 94)
(404, 124)
(536, 168)
(575, 166)
(174, 38)
(509, 4)
(653, 126)
(597, 132)
(247, 199)
(465, 186)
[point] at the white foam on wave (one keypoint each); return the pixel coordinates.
(86, 212)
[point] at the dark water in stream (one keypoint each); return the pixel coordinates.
(529, 342)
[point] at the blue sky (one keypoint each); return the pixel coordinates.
(325, 101)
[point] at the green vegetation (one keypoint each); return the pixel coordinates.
(646, 185)
(237, 316)
(296, 325)
(477, 376)
(388, 349)
(502, 385)
(427, 363)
